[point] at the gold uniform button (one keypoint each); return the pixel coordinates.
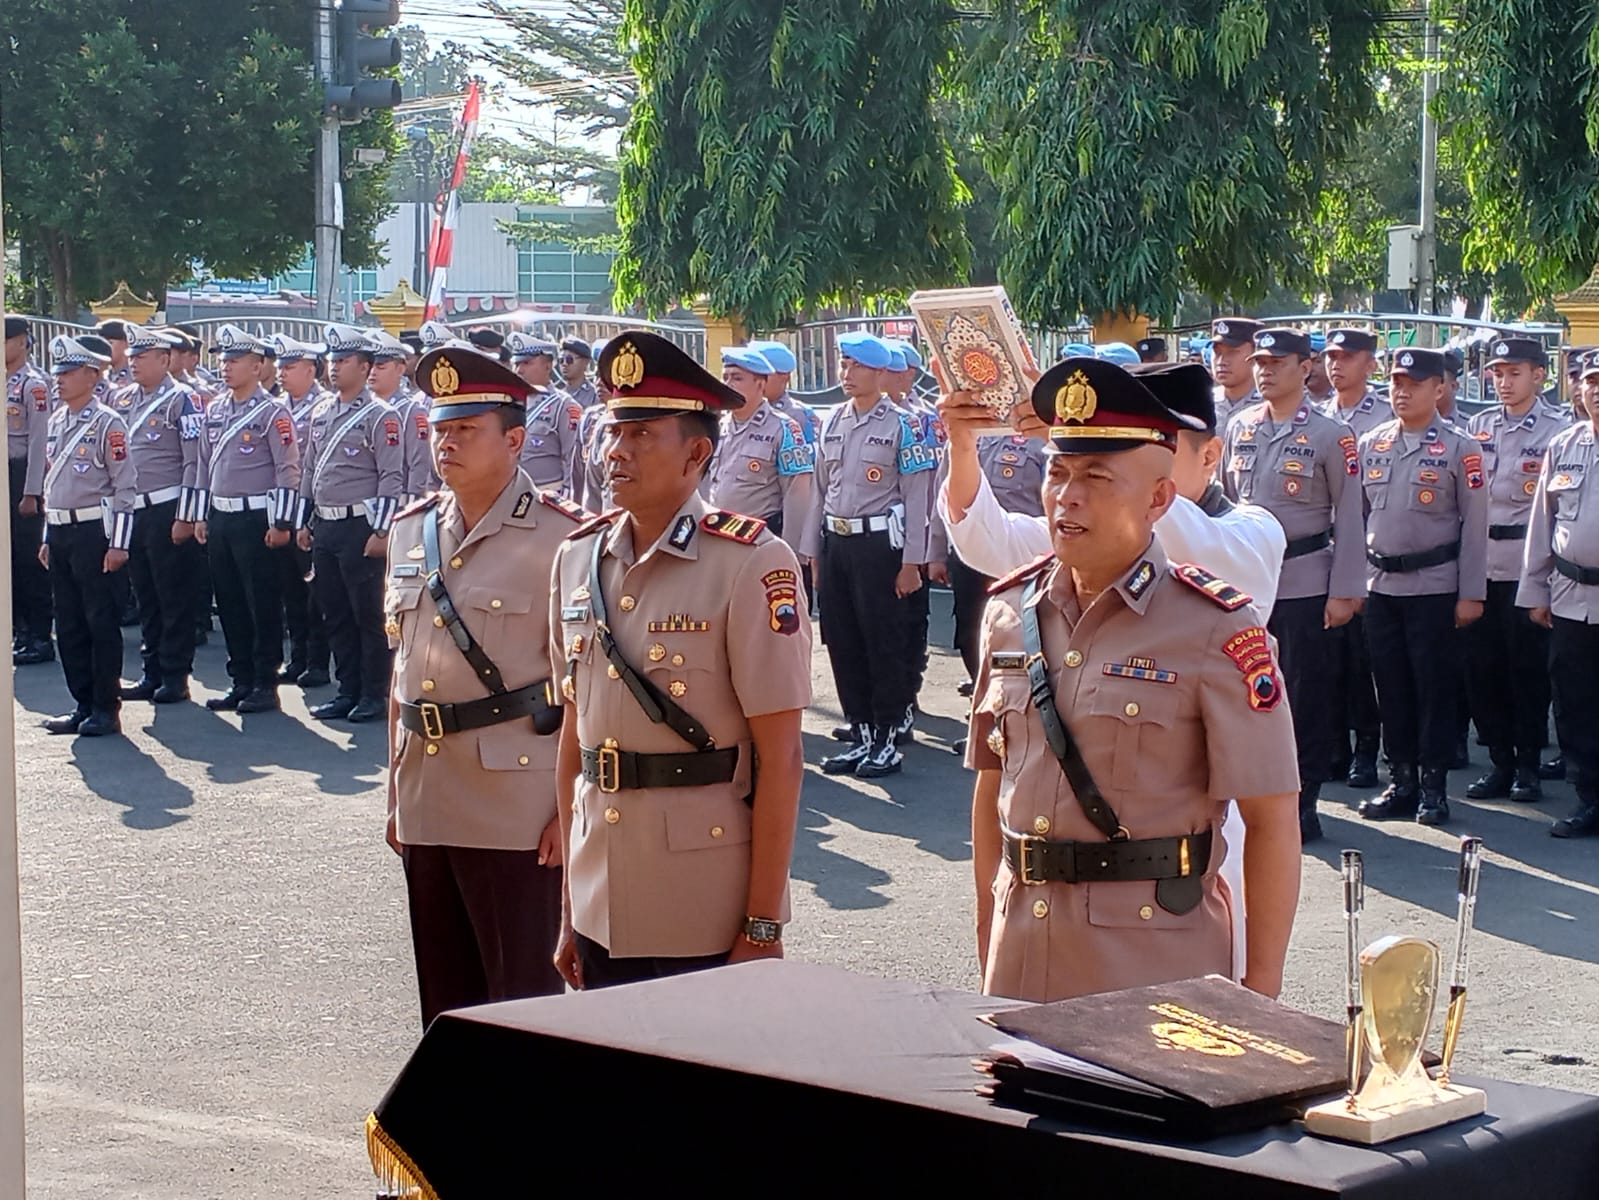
(456, 562)
(612, 816)
(657, 652)
(433, 747)
(1041, 909)
(1145, 913)
(1041, 825)
(494, 604)
(1074, 658)
(439, 621)
(613, 672)
(428, 685)
(678, 688)
(717, 831)
(628, 603)
(1132, 708)
(677, 660)
(522, 761)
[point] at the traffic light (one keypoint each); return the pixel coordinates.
(352, 91)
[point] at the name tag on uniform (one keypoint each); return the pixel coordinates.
(1007, 660)
(406, 571)
(574, 614)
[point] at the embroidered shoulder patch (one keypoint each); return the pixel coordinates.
(599, 521)
(735, 527)
(1250, 650)
(563, 506)
(1020, 575)
(1218, 591)
(1351, 454)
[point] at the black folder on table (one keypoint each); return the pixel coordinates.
(1195, 1058)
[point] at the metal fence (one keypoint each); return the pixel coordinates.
(299, 328)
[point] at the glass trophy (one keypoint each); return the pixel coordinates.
(1391, 992)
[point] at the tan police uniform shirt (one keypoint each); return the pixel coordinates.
(1564, 521)
(1512, 458)
(1177, 705)
(493, 787)
(721, 627)
(1305, 472)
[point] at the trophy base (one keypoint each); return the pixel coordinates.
(1370, 1126)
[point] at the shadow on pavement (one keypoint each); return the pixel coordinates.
(115, 769)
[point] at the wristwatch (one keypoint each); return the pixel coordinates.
(761, 931)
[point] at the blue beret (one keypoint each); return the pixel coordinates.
(779, 355)
(1077, 350)
(1318, 341)
(1119, 353)
(913, 360)
(896, 357)
(867, 349)
(747, 357)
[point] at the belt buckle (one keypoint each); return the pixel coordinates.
(1026, 844)
(432, 720)
(609, 761)
(839, 525)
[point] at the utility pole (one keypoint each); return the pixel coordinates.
(1427, 268)
(329, 187)
(13, 1171)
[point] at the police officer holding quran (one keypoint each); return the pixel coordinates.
(684, 651)
(472, 711)
(1121, 701)
(88, 509)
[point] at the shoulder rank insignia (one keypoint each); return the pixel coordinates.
(416, 506)
(1218, 591)
(593, 523)
(1020, 575)
(563, 506)
(736, 527)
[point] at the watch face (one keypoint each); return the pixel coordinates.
(758, 930)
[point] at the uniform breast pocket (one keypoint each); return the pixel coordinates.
(1376, 481)
(705, 823)
(1566, 488)
(1293, 478)
(400, 601)
(1007, 700)
(878, 462)
(488, 614)
(1427, 494)
(1242, 469)
(1131, 905)
(678, 663)
(1139, 717)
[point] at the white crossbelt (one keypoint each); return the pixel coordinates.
(233, 504)
(159, 496)
(73, 516)
(850, 526)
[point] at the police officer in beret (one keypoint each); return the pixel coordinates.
(762, 466)
(472, 711)
(27, 421)
(1426, 554)
(88, 503)
(684, 652)
(777, 387)
(1096, 853)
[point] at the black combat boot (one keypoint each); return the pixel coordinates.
(1363, 767)
(1584, 821)
(1434, 806)
(1495, 785)
(229, 700)
(260, 700)
(882, 756)
(145, 689)
(845, 761)
(173, 690)
(1399, 799)
(1526, 788)
(102, 722)
(1309, 822)
(1554, 769)
(68, 723)
(905, 730)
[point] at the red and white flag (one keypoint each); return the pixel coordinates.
(447, 208)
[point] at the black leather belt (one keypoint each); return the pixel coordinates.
(1299, 547)
(617, 770)
(1583, 575)
(1507, 533)
(1403, 564)
(435, 720)
(1038, 861)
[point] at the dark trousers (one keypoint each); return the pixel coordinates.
(970, 590)
(1574, 665)
(1507, 680)
(30, 582)
(600, 970)
(1308, 654)
(244, 575)
(918, 617)
(302, 612)
(1355, 696)
(863, 624)
(88, 628)
(164, 578)
(1413, 657)
(349, 587)
(483, 925)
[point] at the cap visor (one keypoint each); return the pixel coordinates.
(468, 408)
(1089, 445)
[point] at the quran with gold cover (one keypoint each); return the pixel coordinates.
(977, 341)
(1199, 1057)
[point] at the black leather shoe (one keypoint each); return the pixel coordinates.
(291, 672)
(145, 689)
(34, 653)
(845, 733)
(262, 699)
(882, 755)
(964, 689)
(173, 691)
(229, 700)
(1582, 823)
(1433, 808)
(1526, 789)
(314, 678)
(367, 710)
(958, 747)
(845, 761)
(1399, 800)
(1493, 786)
(1554, 769)
(100, 723)
(335, 709)
(1363, 766)
(68, 723)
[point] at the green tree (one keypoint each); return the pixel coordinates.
(785, 155)
(170, 131)
(1143, 145)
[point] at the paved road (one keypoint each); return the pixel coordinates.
(218, 973)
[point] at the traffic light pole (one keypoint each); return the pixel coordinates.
(329, 210)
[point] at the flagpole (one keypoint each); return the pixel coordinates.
(441, 245)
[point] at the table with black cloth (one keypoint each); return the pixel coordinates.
(778, 1077)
